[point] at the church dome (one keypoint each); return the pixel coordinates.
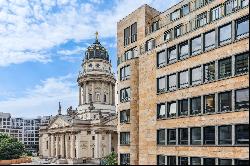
(96, 51)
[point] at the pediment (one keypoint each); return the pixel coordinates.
(59, 123)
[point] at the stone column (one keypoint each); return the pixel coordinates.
(49, 145)
(84, 93)
(97, 145)
(57, 146)
(62, 146)
(102, 93)
(67, 144)
(87, 93)
(52, 145)
(110, 94)
(109, 143)
(93, 92)
(73, 146)
(80, 95)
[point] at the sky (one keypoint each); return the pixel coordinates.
(42, 45)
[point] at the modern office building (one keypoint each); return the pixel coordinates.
(25, 130)
(184, 84)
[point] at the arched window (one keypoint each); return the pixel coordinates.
(105, 98)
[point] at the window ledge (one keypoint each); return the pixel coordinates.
(125, 123)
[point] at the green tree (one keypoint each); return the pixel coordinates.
(10, 148)
(111, 159)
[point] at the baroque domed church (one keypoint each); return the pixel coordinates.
(89, 131)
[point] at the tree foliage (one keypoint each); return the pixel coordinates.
(111, 159)
(10, 148)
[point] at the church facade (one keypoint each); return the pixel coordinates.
(88, 132)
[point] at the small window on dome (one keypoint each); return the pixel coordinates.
(90, 65)
(98, 65)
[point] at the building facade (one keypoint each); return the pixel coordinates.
(25, 130)
(183, 83)
(88, 132)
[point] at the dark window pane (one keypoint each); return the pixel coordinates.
(225, 68)
(125, 116)
(125, 159)
(171, 137)
(155, 26)
(209, 103)
(183, 50)
(225, 102)
(176, 15)
(167, 36)
(177, 31)
(210, 40)
(242, 27)
(209, 135)
(134, 33)
(161, 110)
(242, 63)
(201, 19)
(161, 59)
(216, 13)
(209, 161)
(183, 160)
(241, 162)
(195, 106)
(183, 79)
(196, 76)
(225, 135)
(242, 134)
(183, 136)
(225, 34)
(171, 160)
(125, 95)
(161, 84)
(225, 161)
(242, 99)
(124, 138)
(244, 3)
(161, 137)
(195, 161)
(231, 6)
(185, 9)
(171, 109)
(183, 107)
(196, 45)
(127, 36)
(161, 160)
(196, 136)
(172, 82)
(209, 72)
(172, 55)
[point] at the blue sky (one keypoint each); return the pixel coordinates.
(42, 44)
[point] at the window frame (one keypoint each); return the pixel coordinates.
(206, 73)
(186, 55)
(164, 54)
(182, 140)
(237, 22)
(169, 115)
(241, 58)
(159, 116)
(123, 160)
(197, 81)
(222, 103)
(207, 136)
(210, 47)
(127, 115)
(196, 51)
(125, 138)
(218, 13)
(212, 109)
(198, 141)
(123, 93)
(170, 133)
(228, 40)
(183, 84)
(228, 141)
(165, 84)
(195, 112)
(161, 141)
(241, 141)
(174, 87)
(237, 103)
(225, 66)
(182, 113)
(169, 51)
(134, 35)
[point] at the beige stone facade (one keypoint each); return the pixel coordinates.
(89, 132)
(142, 146)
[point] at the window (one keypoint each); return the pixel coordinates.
(225, 102)
(134, 33)
(225, 135)
(209, 135)
(225, 34)
(125, 159)
(201, 3)
(161, 160)
(125, 95)
(105, 98)
(196, 76)
(171, 109)
(225, 68)
(150, 44)
(242, 134)
(196, 45)
(175, 15)
(161, 111)
(177, 31)
(209, 72)
(167, 36)
(125, 116)
(216, 13)
(183, 79)
(183, 136)
(209, 161)
(183, 107)
(172, 54)
(244, 3)
(242, 63)
(209, 103)
(98, 98)
(195, 161)
(242, 99)
(183, 160)
(128, 55)
(183, 50)
(196, 136)
(210, 40)
(127, 36)
(161, 135)
(172, 82)
(125, 73)
(241, 162)
(231, 6)
(124, 138)
(242, 27)
(161, 58)
(171, 160)
(195, 106)
(171, 136)
(155, 26)
(201, 19)
(225, 162)
(161, 84)
(185, 9)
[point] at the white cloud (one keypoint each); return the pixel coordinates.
(41, 25)
(43, 99)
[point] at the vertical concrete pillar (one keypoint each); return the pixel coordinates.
(216, 102)
(110, 94)
(233, 135)
(73, 146)
(216, 135)
(62, 146)
(52, 145)
(80, 95)
(49, 146)
(109, 143)
(97, 145)
(57, 146)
